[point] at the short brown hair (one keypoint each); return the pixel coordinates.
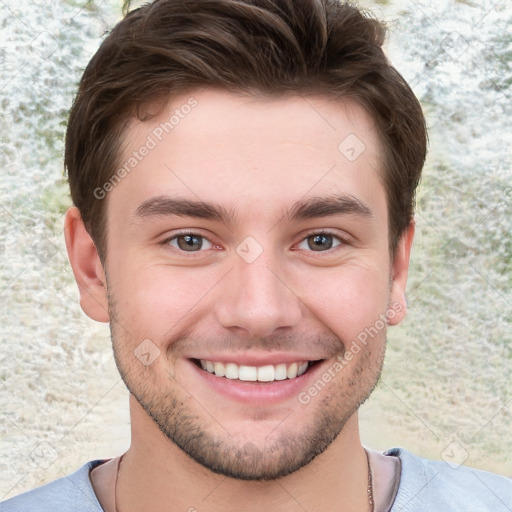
(169, 47)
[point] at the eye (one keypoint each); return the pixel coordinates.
(320, 242)
(189, 242)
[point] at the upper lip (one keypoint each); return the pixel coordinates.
(262, 359)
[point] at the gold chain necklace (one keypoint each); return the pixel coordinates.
(369, 489)
(371, 501)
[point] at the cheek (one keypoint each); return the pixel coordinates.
(159, 301)
(163, 303)
(348, 300)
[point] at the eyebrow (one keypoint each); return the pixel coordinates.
(315, 207)
(310, 208)
(166, 206)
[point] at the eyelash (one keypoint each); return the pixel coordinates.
(341, 239)
(183, 233)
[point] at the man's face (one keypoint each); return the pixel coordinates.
(295, 269)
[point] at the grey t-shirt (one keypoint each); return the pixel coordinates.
(425, 486)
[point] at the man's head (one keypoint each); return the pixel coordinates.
(256, 245)
(252, 47)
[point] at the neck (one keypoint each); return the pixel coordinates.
(156, 475)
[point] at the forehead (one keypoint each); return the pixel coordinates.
(251, 152)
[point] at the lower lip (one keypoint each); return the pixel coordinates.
(258, 393)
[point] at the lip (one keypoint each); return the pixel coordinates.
(256, 393)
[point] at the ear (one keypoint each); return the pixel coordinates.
(397, 308)
(87, 267)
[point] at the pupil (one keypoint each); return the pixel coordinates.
(191, 242)
(318, 240)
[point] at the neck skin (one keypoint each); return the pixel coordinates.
(156, 475)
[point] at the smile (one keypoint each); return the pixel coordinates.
(267, 373)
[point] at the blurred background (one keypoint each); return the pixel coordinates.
(446, 388)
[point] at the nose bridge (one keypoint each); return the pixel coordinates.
(257, 297)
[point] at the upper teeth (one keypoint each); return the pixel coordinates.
(266, 373)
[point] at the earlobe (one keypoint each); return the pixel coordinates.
(87, 268)
(400, 267)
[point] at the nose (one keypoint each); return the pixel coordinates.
(257, 298)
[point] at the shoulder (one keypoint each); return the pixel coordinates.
(428, 485)
(71, 493)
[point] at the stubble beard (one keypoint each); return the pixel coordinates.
(289, 449)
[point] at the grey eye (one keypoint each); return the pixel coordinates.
(319, 242)
(189, 242)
